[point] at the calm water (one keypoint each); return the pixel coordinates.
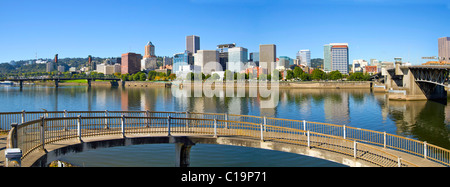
(423, 120)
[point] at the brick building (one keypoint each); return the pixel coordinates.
(131, 63)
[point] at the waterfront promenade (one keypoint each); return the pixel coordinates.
(342, 144)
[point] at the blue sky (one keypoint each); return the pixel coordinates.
(380, 29)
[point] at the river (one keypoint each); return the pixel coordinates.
(422, 120)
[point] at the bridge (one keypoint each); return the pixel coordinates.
(58, 79)
(38, 138)
(424, 82)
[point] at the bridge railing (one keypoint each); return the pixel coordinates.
(112, 119)
(36, 134)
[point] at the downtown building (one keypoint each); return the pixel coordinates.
(304, 57)
(223, 54)
(444, 49)
(267, 57)
(237, 59)
(206, 61)
(148, 63)
(131, 63)
(335, 57)
(193, 43)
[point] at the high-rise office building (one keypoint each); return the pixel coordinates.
(223, 54)
(130, 63)
(327, 58)
(237, 59)
(305, 57)
(193, 43)
(182, 59)
(336, 57)
(206, 61)
(267, 57)
(284, 61)
(339, 57)
(444, 49)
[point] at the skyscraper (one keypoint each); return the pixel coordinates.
(327, 58)
(267, 57)
(223, 54)
(305, 57)
(444, 49)
(182, 59)
(339, 57)
(237, 59)
(206, 60)
(130, 63)
(335, 57)
(193, 43)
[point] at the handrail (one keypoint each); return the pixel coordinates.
(112, 119)
(39, 137)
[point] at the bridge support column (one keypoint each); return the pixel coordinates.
(21, 84)
(57, 83)
(89, 82)
(182, 155)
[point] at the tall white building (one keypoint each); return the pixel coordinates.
(237, 59)
(206, 61)
(305, 57)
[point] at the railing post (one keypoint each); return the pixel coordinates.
(187, 121)
(65, 122)
(168, 125)
(226, 121)
(23, 116)
(122, 126)
(354, 149)
(399, 162)
(345, 134)
(79, 127)
(262, 132)
(215, 128)
(42, 132)
(147, 114)
(14, 135)
(425, 149)
(265, 123)
(384, 140)
(304, 125)
(106, 119)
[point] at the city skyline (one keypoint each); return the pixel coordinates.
(375, 29)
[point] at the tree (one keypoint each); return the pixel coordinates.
(276, 78)
(215, 76)
(152, 75)
(305, 77)
(142, 77)
(358, 76)
(297, 72)
(190, 76)
(289, 74)
(335, 75)
(318, 74)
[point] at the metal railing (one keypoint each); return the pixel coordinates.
(40, 128)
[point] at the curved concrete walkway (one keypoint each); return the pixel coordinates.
(58, 149)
